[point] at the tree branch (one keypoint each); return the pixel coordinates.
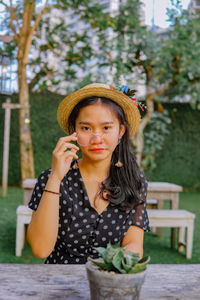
(53, 50)
(163, 90)
(12, 17)
(173, 80)
(31, 32)
(3, 3)
(196, 78)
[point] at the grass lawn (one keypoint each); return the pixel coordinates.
(9, 205)
(157, 248)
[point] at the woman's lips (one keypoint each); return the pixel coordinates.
(97, 149)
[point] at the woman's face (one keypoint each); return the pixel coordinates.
(98, 131)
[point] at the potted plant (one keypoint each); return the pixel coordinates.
(117, 276)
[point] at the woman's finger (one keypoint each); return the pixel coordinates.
(70, 154)
(64, 146)
(68, 138)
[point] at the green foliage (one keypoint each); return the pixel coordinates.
(115, 260)
(178, 161)
(58, 39)
(72, 48)
(164, 61)
(45, 133)
(154, 137)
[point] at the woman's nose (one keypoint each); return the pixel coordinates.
(96, 138)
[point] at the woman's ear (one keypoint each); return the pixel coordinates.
(122, 130)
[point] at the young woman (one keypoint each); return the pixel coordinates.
(100, 198)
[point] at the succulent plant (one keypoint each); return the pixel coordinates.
(114, 260)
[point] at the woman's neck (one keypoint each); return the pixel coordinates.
(94, 170)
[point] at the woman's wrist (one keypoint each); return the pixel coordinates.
(53, 183)
(54, 179)
(51, 192)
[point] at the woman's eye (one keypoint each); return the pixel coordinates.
(107, 128)
(85, 128)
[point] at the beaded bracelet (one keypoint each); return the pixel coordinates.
(48, 191)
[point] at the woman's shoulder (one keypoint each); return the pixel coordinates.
(44, 175)
(144, 181)
(142, 175)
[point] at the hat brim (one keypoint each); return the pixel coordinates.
(128, 105)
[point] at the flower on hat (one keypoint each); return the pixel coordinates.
(130, 93)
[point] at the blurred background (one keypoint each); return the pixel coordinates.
(52, 48)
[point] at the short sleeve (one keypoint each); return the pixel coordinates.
(39, 189)
(140, 216)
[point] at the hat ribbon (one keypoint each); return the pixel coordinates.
(125, 89)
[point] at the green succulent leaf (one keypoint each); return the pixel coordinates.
(114, 260)
(111, 251)
(117, 260)
(102, 264)
(139, 267)
(126, 267)
(102, 251)
(117, 245)
(132, 258)
(145, 260)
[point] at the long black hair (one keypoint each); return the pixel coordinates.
(123, 185)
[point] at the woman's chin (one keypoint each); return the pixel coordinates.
(93, 155)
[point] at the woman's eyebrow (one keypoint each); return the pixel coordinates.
(90, 123)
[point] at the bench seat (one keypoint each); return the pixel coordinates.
(181, 219)
(175, 218)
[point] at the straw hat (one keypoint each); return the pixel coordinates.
(99, 90)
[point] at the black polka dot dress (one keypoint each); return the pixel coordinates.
(80, 226)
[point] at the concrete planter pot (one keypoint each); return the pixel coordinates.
(113, 286)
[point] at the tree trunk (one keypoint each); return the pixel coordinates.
(138, 142)
(26, 150)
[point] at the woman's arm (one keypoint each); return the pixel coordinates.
(43, 228)
(133, 240)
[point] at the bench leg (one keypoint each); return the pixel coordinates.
(173, 238)
(153, 229)
(159, 230)
(174, 205)
(190, 230)
(20, 236)
(181, 239)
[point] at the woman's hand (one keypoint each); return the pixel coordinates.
(63, 155)
(133, 240)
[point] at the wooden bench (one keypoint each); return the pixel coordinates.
(24, 214)
(152, 203)
(28, 186)
(158, 191)
(181, 219)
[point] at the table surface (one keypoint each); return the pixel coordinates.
(164, 187)
(38, 282)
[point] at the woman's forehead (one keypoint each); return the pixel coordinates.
(97, 113)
